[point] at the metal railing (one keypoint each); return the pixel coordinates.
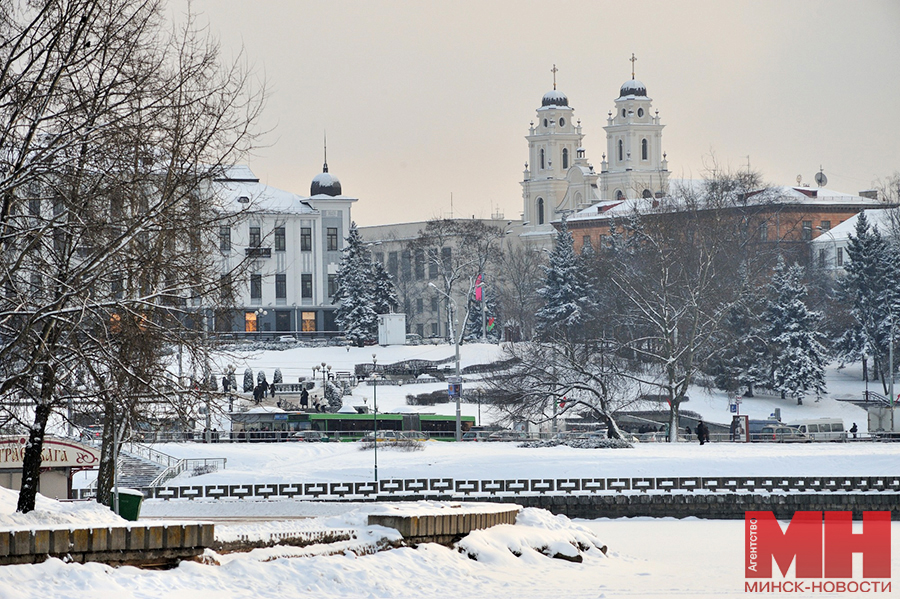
(450, 487)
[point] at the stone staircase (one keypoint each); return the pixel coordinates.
(135, 472)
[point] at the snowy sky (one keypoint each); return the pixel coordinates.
(424, 99)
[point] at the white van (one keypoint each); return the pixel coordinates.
(822, 429)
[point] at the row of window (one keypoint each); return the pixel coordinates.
(306, 286)
(565, 159)
(279, 238)
(282, 321)
(407, 264)
(645, 150)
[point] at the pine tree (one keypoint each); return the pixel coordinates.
(492, 320)
(248, 380)
(869, 286)
(277, 377)
(798, 358)
(384, 294)
(357, 315)
(565, 291)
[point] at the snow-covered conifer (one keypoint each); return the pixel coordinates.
(248, 380)
(798, 357)
(357, 314)
(565, 291)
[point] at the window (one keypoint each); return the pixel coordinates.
(225, 290)
(332, 239)
(420, 306)
(255, 237)
(308, 321)
(306, 286)
(432, 263)
(620, 195)
(250, 325)
(379, 258)
(542, 158)
(225, 238)
(840, 256)
(282, 320)
(821, 258)
(621, 150)
(279, 239)
(420, 264)
(825, 226)
(392, 264)
(420, 330)
(645, 149)
(435, 330)
(281, 286)
(565, 158)
(434, 304)
(256, 287)
(647, 194)
(447, 257)
(807, 230)
(305, 239)
(405, 265)
(540, 211)
(34, 207)
(585, 242)
(763, 231)
(332, 285)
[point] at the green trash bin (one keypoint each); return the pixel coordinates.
(129, 503)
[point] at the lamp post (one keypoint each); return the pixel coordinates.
(458, 379)
(481, 288)
(259, 314)
(375, 411)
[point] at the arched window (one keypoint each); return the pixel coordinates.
(619, 195)
(542, 159)
(540, 211)
(621, 150)
(565, 158)
(647, 194)
(645, 149)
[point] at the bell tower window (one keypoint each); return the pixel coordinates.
(645, 149)
(565, 158)
(621, 150)
(540, 211)
(542, 159)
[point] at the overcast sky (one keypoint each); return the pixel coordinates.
(422, 99)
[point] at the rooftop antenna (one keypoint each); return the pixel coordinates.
(451, 205)
(821, 179)
(633, 60)
(325, 146)
(554, 70)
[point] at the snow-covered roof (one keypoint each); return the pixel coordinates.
(778, 194)
(633, 88)
(878, 218)
(248, 194)
(554, 98)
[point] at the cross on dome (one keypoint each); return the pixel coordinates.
(633, 59)
(554, 70)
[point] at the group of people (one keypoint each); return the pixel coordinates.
(262, 391)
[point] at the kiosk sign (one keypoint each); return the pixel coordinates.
(56, 453)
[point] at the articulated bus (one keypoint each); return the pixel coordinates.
(279, 426)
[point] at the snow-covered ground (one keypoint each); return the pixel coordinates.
(646, 557)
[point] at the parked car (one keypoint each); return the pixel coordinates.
(413, 339)
(93, 432)
(507, 436)
(822, 429)
(309, 437)
(476, 436)
(389, 436)
(779, 433)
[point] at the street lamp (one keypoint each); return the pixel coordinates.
(375, 413)
(481, 288)
(259, 314)
(458, 379)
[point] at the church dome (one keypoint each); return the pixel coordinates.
(633, 87)
(325, 184)
(554, 98)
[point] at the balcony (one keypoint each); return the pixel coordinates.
(258, 252)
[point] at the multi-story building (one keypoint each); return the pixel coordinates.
(287, 251)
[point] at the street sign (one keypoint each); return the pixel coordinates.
(454, 389)
(454, 379)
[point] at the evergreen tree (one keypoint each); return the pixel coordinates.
(870, 288)
(357, 315)
(248, 380)
(492, 320)
(277, 377)
(384, 294)
(797, 356)
(333, 396)
(260, 377)
(565, 291)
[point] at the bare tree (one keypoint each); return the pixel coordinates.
(112, 132)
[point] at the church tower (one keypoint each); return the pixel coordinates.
(554, 148)
(634, 165)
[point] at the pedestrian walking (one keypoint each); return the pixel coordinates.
(702, 432)
(853, 430)
(304, 398)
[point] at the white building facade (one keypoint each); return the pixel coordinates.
(283, 252)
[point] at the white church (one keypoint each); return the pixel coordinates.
(558, 179)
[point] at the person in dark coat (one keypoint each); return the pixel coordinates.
(853, 430)
(304, 398)
(702, 432)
